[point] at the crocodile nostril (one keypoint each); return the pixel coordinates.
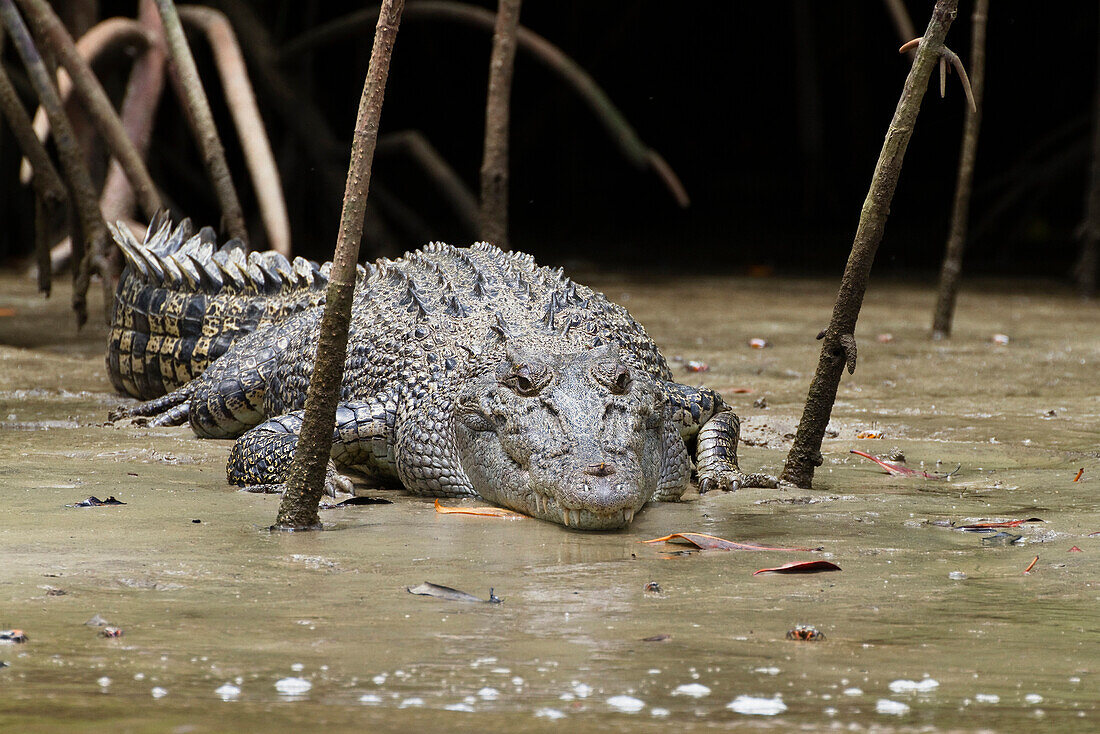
(602, 469)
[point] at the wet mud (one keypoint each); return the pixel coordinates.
(228, 627)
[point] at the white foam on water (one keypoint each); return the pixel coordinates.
(459, 707)
(548, 713)
(408, 702)
(987, 698)
(1033, 698)
(853, 691)
(913, 686)
(626, 704)
(227, 691)
(893, 708)
(292, 686)
(757, 706)
(695, 690)
(488, 694)
(370, 699)
(159, 692)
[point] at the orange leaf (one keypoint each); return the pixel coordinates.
(6, 311)
(711, 542)
(1079, 473)
(1032, 564)
(801, 567)
(482, 511)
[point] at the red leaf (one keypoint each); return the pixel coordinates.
(801, 567)
(711, 542)
(893, 469)
(1075, 549)
(1002, 524)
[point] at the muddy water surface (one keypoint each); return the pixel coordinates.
(227, 627)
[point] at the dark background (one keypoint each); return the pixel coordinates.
(773, 115)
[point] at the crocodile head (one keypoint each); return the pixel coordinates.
(578, 439)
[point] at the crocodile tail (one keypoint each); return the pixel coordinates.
(182, 301)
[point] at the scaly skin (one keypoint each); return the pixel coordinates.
(470, 372)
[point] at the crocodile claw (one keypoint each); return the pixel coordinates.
(731, 481)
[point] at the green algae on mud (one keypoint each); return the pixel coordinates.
(222, 600)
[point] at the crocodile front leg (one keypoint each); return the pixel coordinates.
(707, 421)
(362, 439)
(716, 457)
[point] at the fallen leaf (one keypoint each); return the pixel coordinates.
(697, 365)
(15, 636)
(711, 542)
(1075, 549)
(6, 311)
(868, 434)
(482, 511)
(801, 567)
(94, 501)
(900, 471)
(983, 526)
(1032, 564)
(446, 592)
(1079, 473)
(111, 632)
(354, 501)
(657, 638)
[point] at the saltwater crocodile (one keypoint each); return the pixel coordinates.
(470, 372)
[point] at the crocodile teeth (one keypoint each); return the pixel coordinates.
(628, 515)
(567, 515)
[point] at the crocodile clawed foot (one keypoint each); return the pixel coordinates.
(731, 481)
(335, 485)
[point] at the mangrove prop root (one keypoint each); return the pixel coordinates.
(951, 268)
(805, 454)
(193, 97)
(494, 166)
(298, 509)
(91, 240)
(95, 101)
(241, 101)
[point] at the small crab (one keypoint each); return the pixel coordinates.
(805, 633)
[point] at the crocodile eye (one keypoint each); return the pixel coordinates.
(615, 376)
(524, 379)
(522, 384)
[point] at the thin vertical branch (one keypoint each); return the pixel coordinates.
(298, 509)
(839, 347)
(246, 116)
(494, 166)
(91, 243)
(960, 214)
(95, 100)
(1088, 260)
(193, 96)
(49, 189)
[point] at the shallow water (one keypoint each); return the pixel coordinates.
(317, 629)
